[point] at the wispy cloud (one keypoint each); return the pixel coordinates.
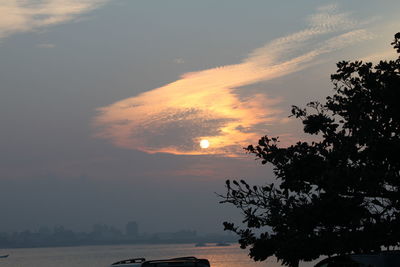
(210, 104)
(29, 15)
(385, 55)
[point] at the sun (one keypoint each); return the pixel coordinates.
(204, 143)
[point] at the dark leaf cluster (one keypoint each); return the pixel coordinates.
(340, 194)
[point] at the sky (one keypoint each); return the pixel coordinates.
(104, 103)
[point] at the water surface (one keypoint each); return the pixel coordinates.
(103, 256)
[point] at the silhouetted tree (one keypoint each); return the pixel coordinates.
(340, 194)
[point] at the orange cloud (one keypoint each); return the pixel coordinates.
(210, 104)
(25, 16)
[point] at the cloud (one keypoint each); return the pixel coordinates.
(29, 15)
(212, 104)
(377, 57)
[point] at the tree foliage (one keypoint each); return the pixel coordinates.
(340, 194)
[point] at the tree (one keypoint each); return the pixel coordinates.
(337, 195)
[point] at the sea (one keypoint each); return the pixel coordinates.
(104, 256)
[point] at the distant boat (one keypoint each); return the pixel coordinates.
(222, 244)
(201, 244)
(4, 256)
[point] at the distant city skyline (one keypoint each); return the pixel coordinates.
(102, 234)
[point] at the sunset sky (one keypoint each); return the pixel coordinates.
(103, 104)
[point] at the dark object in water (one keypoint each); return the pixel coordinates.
(201, 244)
(4, 256)
(175, 262)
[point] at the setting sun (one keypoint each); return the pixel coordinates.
(204, 143)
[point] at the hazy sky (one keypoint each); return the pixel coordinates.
(103, 103)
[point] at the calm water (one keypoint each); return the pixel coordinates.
(103, 256)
